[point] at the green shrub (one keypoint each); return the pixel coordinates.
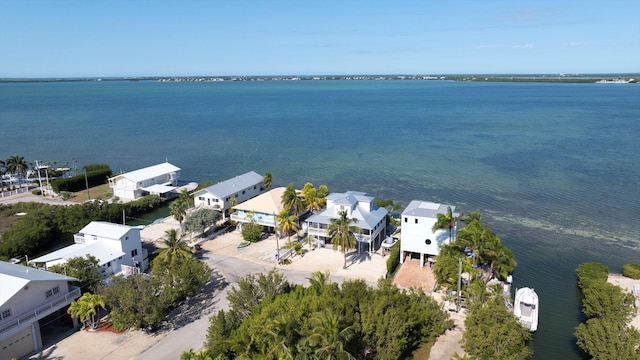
(394, 259)
(66, 195)
(251, 232)
(631, 271)
(95, 175)
(37, 192)
(592, 272)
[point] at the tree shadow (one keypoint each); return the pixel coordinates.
(194, 307)
(354, 257)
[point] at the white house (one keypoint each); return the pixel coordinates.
(262, 209)
(161, 179)
(416, 235)
(240, 188)
(29, 299)
(371, 219)
(118, 248)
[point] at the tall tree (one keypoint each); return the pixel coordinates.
(329, 337)
(199, 220)
(16, 164)
(285, 223)
(446, 221)
(342, 232)
(267, 180)
(174, 248)
(85, 269)
(292, 201)
(85, 308)
(495, 333)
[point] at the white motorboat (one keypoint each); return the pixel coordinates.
(525, 308)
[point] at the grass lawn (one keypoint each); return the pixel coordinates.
(97, 192)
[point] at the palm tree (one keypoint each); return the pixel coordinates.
(446, 221)
(341, 231)
(291, 201)
(3, 169)
(16, 164)
(282, 330)
(85, 308)
(267, 180)
(284, 224)
(175, 248)
(318, 281)
(328, 337)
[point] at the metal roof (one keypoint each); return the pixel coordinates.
(104, 251)
(106, 229)
(427, 209)
(233, 185)
(14, 277)
(149, 172)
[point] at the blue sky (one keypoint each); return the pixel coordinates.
(66, 38)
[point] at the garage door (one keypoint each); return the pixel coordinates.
(17, 346)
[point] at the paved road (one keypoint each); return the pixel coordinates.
(193, 335)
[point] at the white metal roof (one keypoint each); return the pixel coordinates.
(14, 277)
(159, 189)
(427, 209)
(149, 172)
(106, 229)
(104, 251)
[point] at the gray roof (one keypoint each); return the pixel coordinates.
(427, 209)
(233, 185)
(365, 220)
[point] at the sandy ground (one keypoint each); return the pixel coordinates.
(370, 267)
(627, 284)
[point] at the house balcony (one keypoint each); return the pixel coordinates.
(14, 325)
(261, 219)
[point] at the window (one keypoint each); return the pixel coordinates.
(201, 198)
(6, 314)
(52, 292)
(134, 252)
(416, 220)
(236, 195)
(109, 264)
(126, 238)
(228, 198)
(428, 241)
(243, 192)
(254, 187)
(406, 219)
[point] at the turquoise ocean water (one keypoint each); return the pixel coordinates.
(553, 168)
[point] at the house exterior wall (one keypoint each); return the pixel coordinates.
(126, 188)
(205, 198)
(20, 332)
(417, 235)
(32, 296)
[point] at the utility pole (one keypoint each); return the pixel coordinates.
(459, 284)
(86, 181)
(39, 178)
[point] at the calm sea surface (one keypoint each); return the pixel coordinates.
(553, 168)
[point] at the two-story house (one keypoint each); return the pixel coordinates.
(117, 247)
(30, 298)
(161, 179)
(371, 219)
(261, 209)
(417, 237)
(240, 188)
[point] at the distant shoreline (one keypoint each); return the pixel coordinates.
(554, 78)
